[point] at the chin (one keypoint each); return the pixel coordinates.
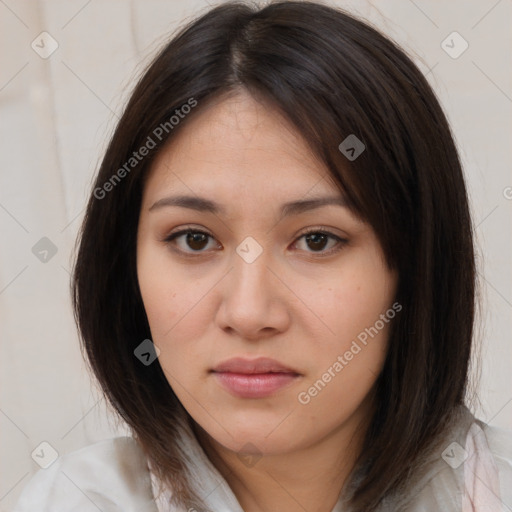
(251, 438)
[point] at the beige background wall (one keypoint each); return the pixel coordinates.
(55, 117)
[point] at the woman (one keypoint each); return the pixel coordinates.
(275, 283)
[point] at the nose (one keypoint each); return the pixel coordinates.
(254, 299)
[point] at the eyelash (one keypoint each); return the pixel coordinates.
(320, 230)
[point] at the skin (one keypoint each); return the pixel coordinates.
(291, 303)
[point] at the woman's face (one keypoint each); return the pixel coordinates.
(255, 286)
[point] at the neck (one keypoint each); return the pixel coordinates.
(309, 478)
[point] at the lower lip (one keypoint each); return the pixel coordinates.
(257, 385)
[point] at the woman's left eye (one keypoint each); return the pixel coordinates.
(197, 240)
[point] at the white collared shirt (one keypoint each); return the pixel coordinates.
(473, 473)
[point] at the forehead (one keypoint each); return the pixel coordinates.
(238, 144)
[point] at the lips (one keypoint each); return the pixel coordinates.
(256, 378)
(250, 366)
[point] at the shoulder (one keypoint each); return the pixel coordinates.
(499, 443)
(109, 475)
(473, 472)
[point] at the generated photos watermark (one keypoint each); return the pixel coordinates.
(137, 156)
(304, 397)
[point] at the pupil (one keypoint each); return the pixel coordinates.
(315, 239)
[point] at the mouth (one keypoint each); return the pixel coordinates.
(256, 378)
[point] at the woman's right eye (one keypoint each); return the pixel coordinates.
(190, 238)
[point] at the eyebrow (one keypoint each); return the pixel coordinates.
(206, 205)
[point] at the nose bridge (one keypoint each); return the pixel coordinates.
(251, 262)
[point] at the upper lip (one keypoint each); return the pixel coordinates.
(259, 365)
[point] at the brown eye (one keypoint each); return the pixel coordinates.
(317, 241)
(194, 241)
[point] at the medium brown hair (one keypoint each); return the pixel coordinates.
(332, 76)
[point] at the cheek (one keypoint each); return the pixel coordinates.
(346, 369)
(162, 292)
(175, 312)
(159, 298)
(357, 310)
(352, 302)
